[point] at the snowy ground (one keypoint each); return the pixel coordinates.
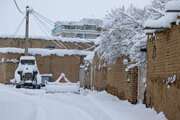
(25, 104)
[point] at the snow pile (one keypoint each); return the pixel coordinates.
(71, 40)
(173, 5)
(45, 52)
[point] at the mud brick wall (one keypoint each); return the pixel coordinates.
(114, 79)
(40, 43)
(100, 74)
(121, 83)
(163, 62)
(53, 64)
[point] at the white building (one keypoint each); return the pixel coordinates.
(85, 28)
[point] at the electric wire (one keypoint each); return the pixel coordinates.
(18, 7)
(51, 23)
(41, 27)
(44, 18)
(38, 16)
(49, 31)
(13, 35)
(48, 35)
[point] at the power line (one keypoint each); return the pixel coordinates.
(49, 31)
(11, 37)
(38, 16)
(44, 18)
(39, 21)
(18, 7)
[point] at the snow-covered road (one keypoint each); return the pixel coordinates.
(25, 104)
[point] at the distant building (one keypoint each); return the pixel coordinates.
(85, 28)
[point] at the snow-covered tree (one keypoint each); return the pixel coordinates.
(120, 28)
(156, 9)
(123, 32)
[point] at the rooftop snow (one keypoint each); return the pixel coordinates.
(85, 21)
(163, 22)
(45, 52)
(167, 19)
(77, 40)
(173, 5)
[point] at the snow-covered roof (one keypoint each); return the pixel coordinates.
(71, 40)
(27, 58)
(163, 22)
(45, 52)
(85, 21)
(167, 19)
(173, 5)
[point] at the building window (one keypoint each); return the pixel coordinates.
(79, 36)
(90, 27)
(51, 47)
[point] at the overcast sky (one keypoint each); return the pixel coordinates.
(57, 10)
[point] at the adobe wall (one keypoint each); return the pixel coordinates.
(114, 79)
(163, 62)
(40, 43)
(100, 74)
(47, 65)
(121, 83)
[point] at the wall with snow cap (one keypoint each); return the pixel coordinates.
(113, 78)
(163, 72)
(47, 64)
(50, 38)
(46, 52)
(171, 16)
(34, 42)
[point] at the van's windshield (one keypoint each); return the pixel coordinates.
(28, 62)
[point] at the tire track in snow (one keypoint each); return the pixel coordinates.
(89, 109)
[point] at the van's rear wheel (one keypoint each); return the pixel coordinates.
(18, 86)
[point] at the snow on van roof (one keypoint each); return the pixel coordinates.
(27, 58)
(71, 40)
(45, 52)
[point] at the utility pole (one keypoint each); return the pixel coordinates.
(27, 32)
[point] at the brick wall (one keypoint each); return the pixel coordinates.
(47, 65)
(163, 62)
(114, 79)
